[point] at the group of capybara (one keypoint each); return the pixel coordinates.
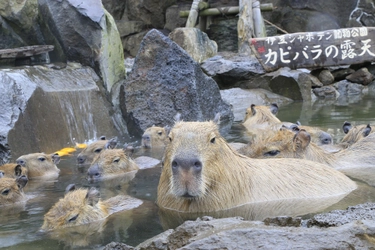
(202, 172)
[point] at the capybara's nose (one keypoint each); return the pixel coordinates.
(187, 164)
(326, 138)
(21, 162)
(94, 171)
(146, 137)
(81, 159)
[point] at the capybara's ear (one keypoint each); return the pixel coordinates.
(2, 174)
(274, 108)
(217, 118)
(253, 110)
(92, 196)
(70, 187)
(167, 129)
(294, 127)
(55, 158)
(111, 144)
(22, 181)
(18, 170)
(301, 140)
(102, 138)
(346, 127)
(129, 150)
(367, 130)
(177, 117)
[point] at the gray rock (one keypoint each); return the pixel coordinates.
(166, 80)
(326, 77)
(127, 28)
(195, 42)
(346, 88)
(224, 32)
(88, 34)
(340, 74)
(172, 17)
(326, 92)
(115, 7)
(241, 99)
(132, 43)
(44, 109)
(361, 76)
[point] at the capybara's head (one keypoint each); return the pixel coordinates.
(40, 164)
(13, 170)
(93, 149)
(12, 190)
(318, 136)
(282, 144)
(78, 207)
(110, 162)
(155, 137)
(191, 157)
(354, 133)
(261, 113)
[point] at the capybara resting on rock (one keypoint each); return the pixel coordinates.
(40, 165)
(110, 163)
(83, 206)
(12, 190)
(202, 173)
(93, 149)
(155, 137)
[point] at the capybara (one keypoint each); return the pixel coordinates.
(13, 170)
(40, 165)
(155, 137)
(110, 163)
(12, 190)
(261, 119)
(354, 133)
(202, 173)
(93, 149)
(82, 206)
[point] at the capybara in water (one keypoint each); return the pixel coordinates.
(354, 133)
(40, 165)
(12, 190)
(83, 206)
(13, 170)
(262, 120)
(155, 137)
(110, 163)
(202, 173)
(93, 149)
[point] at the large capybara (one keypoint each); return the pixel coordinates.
(354, 133)
(83, 206)
(110, 163)
(93, 149)
(13, 170)
(40, 165)
(202, 173)
(261, 119)
(12, 190)
(155, 137)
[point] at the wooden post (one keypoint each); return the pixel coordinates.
(193, 15)
(203, 19)
(245, 27)
(259, 27)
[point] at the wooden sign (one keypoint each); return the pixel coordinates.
(315, 49)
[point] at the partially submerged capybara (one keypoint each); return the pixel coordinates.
(93, 149)
(83, 206)
(354, 133)
(40, 165)
(12, 190)
(13, 170)
(155, 137)
(202, 173)
(261, 119)
(110, 163)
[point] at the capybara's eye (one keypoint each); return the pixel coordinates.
(213, 140)
(272, 153)
(5, 192)
(170, 139)
(160, 133)
(98, 150)
(117, 159)
(73, 218)
(41, 159)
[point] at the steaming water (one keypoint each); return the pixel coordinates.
(19, 226)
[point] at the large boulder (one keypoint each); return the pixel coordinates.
(166, 80)
(88, 34)
(44, 109)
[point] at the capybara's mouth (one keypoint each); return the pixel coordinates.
(187, 195)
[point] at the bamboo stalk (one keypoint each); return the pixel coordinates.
(259, 27)
(193, 14)
(245, 27)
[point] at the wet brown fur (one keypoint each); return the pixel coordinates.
(92, 150)
(13, 170)
(355, 134)
(40, 165)
(11, 191)
(228, 179)
(158, 137)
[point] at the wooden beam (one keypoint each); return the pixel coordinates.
(259, 27)
(27, 51)
(193, 14)
(245, 27)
